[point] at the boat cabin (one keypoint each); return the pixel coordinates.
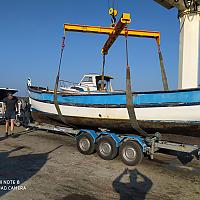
(89, 83)
(5, 91)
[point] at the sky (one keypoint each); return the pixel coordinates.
(30, 40)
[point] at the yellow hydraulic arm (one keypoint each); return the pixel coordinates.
(124, 20)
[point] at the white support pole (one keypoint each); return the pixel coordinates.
(189, 50)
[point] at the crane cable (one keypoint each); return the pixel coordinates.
(113, 11)
(129, 95)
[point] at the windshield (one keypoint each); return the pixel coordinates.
(87, 79)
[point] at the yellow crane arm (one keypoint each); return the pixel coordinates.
(109, 30)
(124, 20)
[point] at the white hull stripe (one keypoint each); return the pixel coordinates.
(182, 113)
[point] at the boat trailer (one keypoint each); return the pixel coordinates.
(131, 148)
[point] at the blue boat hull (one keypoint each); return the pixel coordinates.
(173, 112)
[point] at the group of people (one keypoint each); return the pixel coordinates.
(11, 109)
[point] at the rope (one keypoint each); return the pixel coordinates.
(129, 95)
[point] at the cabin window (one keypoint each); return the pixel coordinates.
(87, 79)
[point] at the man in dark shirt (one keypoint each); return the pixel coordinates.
(10, 108)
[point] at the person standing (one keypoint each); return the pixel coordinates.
(10, 108)
(25, 112)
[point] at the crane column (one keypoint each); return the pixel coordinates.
(189, 49)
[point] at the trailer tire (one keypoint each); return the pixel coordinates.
(85, 144)
(131, 153)
(106, 148)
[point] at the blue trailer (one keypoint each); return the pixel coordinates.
(130, 148)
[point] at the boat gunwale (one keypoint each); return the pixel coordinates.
(40, 90)
(169, 104)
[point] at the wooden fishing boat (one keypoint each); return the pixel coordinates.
(174, 112)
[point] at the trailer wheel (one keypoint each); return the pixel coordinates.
(106, 148)
(131, 153)
(85, 144)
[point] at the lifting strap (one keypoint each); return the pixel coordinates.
(129, 95)
(162, 69)
(102, 75)
(56, 87)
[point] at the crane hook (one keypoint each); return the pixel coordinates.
(113, 13)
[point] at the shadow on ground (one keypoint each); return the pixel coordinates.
(20, 133)
(3, 138)
(135, 188)
(16, 134)
(78, 197)
(19, 168)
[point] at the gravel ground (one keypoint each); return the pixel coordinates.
(41, 165)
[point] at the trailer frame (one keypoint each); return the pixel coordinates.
(108, 145)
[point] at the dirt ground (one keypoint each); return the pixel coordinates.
(43, 165)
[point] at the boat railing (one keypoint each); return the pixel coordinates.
(64, 83)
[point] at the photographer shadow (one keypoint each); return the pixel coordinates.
(136, 188)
